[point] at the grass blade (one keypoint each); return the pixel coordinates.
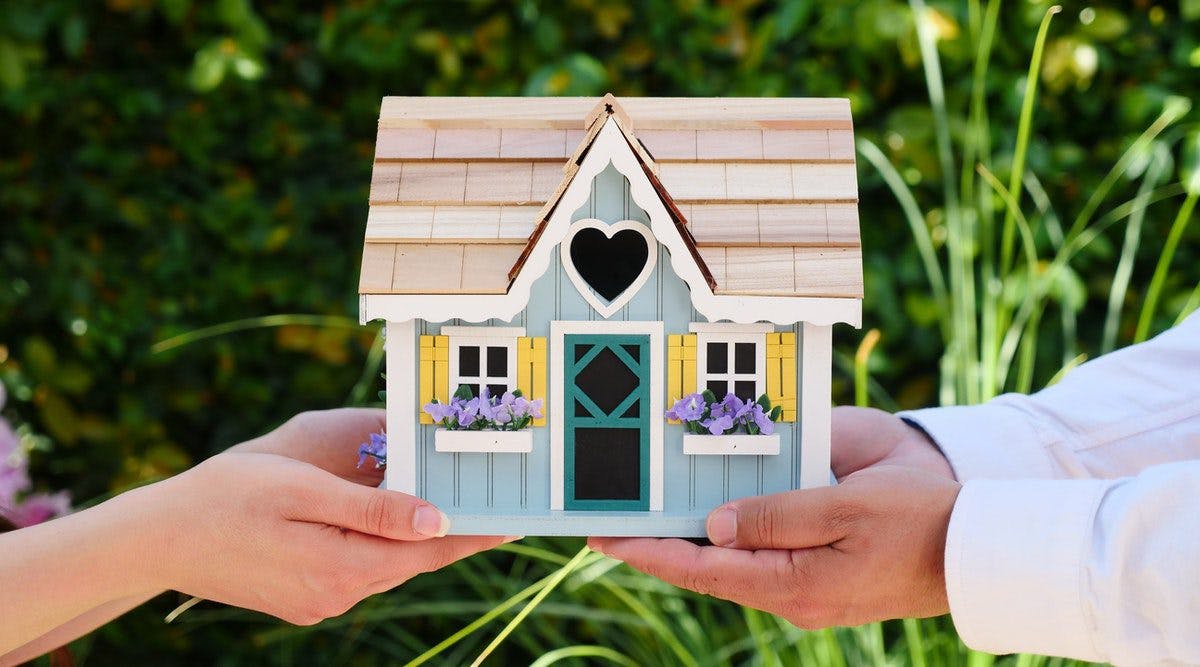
(265, 321)
(1154, 292)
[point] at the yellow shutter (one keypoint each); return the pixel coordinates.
(434, 381)
(781, 373)
(531, 371)
(681, 367)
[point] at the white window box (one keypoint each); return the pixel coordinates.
(739, 443)
(488, 442)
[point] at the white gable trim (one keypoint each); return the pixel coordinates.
(610, 146)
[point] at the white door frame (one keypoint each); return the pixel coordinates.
(558, 329)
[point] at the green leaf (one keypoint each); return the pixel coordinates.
(208, 69)
(709, 397)
(74, 35)
(1189, 163)
(765, 402)
(776, 413)
(463, 392)
(12, 68)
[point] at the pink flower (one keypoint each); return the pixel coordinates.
(14, 477)
(37, 508)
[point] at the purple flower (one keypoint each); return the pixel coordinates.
(688, 408)
(534, 409)
(439, 411)
(718, 425)
(466, 412)
(762, 420)
(376, 448)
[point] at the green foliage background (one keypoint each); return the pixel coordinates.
(166, 165)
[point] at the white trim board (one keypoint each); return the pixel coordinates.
(608, 147)
(816, 407)
(558, 329)
(400, 346)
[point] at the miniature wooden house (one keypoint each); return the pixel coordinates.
(609, 258)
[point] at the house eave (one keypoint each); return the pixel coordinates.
(782, 310)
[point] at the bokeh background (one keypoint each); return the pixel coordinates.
(167, 166)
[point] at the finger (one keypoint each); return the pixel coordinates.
(328, 439)
(754, 578)
(390, 514)
(789, 520)
(861, 437)
(399, 562)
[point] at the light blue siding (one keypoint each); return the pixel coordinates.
(478, 489)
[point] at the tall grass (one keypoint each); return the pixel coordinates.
(999, 273)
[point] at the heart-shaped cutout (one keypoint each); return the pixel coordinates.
(608, 263)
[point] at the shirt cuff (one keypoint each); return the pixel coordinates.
(1015, 556)
(990, 441)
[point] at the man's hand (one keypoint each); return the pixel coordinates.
(868, 549)
(865, 437)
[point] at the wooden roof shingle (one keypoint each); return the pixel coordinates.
(764, 189)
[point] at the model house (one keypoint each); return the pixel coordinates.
(592, 262)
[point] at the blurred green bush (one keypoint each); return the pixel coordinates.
(166, 165)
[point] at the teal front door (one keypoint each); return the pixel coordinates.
(606, 444)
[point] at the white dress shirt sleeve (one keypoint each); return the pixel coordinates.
(1111, 417)
(1105, 570)
(1093, 567)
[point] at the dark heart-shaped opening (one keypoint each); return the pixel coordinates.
(609, 265)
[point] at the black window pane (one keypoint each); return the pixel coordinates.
(718, 358)
(581, 411)
(581, 350)
(606, 380)
(608, 464)
(468, 361)
(497, 362)
(719, 388)
(744, 390)
(634, 351)
(634, 411)
(474, 389)
(743, 358)
(497, 389)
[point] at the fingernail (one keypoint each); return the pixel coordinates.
(430, 522)
(722, 526)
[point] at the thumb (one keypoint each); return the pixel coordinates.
(370, 510)
(790, 520)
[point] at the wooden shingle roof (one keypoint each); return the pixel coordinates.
(765, 188)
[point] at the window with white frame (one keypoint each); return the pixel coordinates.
(731, 358)
(483, 357)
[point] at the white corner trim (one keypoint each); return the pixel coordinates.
(558, 331)
(731, 327)
(813, 386)
(484, 332)
(610, 146)
(400, 346)
(585, 290)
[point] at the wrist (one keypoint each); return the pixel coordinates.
(142, 523)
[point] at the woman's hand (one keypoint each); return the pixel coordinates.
(284, 537)
(328, 439)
